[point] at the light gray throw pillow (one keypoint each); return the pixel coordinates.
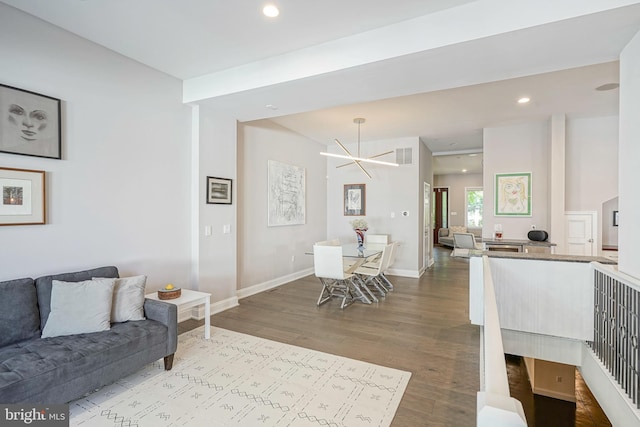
(79, 307)
(128, 299)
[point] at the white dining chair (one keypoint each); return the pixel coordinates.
(376, 239)
(392, 258)
(332, 242)
(376, 242)
(370, 274)
(329, 268)
(463, 243)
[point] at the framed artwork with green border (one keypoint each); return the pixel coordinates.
(513, 194)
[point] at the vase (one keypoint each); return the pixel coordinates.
(360, 235)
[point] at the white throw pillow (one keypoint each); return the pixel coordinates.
(79, 307)
(128, 299)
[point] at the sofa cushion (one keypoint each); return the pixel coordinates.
(457, 229)
(43, 286)
(29, 367)
(79, 307)
(128, 299)
(19, 316)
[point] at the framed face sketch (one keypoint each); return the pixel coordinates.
(513, 194)
(23, 197)
(354, 199)
(29, 123)
(218, 190)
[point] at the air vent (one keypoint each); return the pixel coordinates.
(404, 156)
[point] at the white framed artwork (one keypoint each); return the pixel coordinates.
(286, 194)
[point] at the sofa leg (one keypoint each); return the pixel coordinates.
(168, 362)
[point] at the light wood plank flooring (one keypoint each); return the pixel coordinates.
(421, 327)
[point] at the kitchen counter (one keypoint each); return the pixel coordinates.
(516, 242)
(544, 257)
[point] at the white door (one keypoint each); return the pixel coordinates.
(580, 233)
(426, 244)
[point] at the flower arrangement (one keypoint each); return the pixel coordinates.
(359, 224)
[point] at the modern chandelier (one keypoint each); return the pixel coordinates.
(357, 160)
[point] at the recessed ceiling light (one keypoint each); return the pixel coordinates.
(271, 11)
(608, 86)
(271, 107)
(523, 100)
(464, 170)
(473, 154)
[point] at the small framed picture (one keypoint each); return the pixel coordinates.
(616, 218)
(29, 123)
(355, 199)
(23, 197)
(218, 190)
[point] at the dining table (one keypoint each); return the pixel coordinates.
(355, 256)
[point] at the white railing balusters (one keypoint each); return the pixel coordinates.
(616, 327)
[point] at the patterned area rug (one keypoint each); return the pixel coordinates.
(235, 379)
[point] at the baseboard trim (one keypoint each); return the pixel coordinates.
(197, 313)
(273, 283)
(554, 394)
(414, 274)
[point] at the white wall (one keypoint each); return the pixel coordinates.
(629, 150)
(592, 165)
(609, 231)
(592, 162)
(265, 253)
(215, 269)
(457, 183)
(517, 148)
(120, 195)
(390, 191)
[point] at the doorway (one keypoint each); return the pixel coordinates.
(440, 210)
(426, 245)
(581, 233)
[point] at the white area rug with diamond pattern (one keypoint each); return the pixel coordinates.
(235, 379)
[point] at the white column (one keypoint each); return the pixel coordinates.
(557, 168)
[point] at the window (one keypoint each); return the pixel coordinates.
(473, 205)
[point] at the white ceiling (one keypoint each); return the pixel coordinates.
(445, 95)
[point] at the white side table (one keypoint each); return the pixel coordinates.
(189, 299)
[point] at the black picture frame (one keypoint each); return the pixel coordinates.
(355, 199)
(30, 123)
(616, 218)
(219, 190)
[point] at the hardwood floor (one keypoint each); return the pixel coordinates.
(421, 327)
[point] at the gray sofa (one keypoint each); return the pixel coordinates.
(59, 369)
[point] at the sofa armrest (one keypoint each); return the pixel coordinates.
(167, 314)
(443, 232)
